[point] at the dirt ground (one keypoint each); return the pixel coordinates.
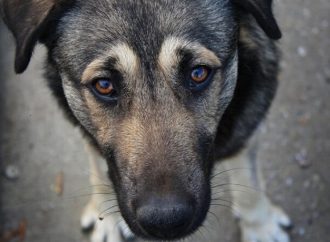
(38, 146)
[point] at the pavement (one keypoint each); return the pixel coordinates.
(44, 170)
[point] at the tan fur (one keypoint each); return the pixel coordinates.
(93, 69)
(168, 58)
(245, 38)
(98, 118)
(132, 142)
(127, 62)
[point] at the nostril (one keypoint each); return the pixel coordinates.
(165, 217)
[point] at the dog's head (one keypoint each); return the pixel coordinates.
(150, 81)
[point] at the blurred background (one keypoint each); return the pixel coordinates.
(44, 170)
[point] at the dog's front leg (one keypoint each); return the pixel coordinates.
(260, 220)
(101, 213)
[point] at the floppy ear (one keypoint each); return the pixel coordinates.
(28, 20)
(262, 12)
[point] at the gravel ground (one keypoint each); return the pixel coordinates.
(38, 147)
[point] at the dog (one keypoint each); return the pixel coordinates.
(162, 90)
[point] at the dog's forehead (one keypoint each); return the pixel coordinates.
(92, 27)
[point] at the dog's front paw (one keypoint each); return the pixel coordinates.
(270, 229)
(110, 229)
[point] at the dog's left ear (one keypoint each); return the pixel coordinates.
(262, 12)
(28, 20)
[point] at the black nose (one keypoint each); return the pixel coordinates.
(165, 217)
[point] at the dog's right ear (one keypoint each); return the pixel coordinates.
(28, 20)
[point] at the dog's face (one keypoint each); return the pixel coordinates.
(150, 81)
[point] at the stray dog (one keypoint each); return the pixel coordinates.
(161, 89)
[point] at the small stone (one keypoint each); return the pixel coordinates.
(297, 201)
(12, 172)
(307, 184)
(313, 205)
(58, 185)
(304, 119)
(301, 159)
(289, 181)
(316, 178)
(310, 221)
(278, 198)
(302, 51)
(301, 231)
(285, 114)
(325, 24)
(327, 80)
(316, 215)
(315, 30)
(283, 64)
(306, 12)
(44, 207)
(272, 176)
(263, 129)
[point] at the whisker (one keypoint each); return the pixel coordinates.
(222, 172)
(201, 232)
(108, 214)
(108, 200)
(224, 191)
(206, 228)
(90, 187)
(233, 209)
(108, 209)
(102, 205)
(233, 184)
(215, 216)
(227, 201)
(90, 194)
(99, 186)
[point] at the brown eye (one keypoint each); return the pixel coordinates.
(105, 90)
(200, 74)
(104, 87)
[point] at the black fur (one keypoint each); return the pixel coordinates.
(255, 90)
